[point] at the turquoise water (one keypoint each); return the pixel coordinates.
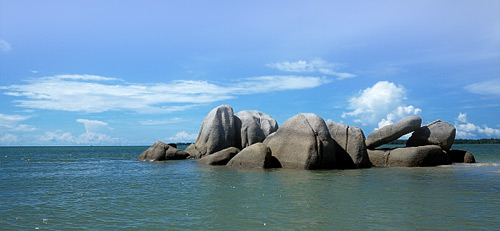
(95, 188)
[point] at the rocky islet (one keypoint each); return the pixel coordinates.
(253, 139)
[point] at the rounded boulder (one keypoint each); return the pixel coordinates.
(303, 142)
(437, 133)
(160, 151)
(254, 156)
(253, 127)
(216, 133)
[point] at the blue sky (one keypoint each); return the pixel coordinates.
(133, 72)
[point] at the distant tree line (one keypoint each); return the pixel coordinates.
(461, 141)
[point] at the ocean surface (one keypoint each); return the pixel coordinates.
(97, 188)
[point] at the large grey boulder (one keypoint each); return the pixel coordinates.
(423, 156)
(438, 133)
(216, 133)
(221, 157)
(351, 140)
(461, 156)
(254, 156)
(303, 142)
(393, 132)
(160, 151)
(253, 127)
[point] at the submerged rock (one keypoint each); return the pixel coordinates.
(253, 127)
(469, 158)
(461, 156)
(437, 133)
(303, 142)
(221, 157)
(216, 133)
(160, 151)
(351, 141)
(254, 156)
(393, 132)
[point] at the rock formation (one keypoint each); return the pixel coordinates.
(216, 133)
(161, 151)
(303, 142)
(253, 127)
(350, 140)
(427, 146)
(438, 133)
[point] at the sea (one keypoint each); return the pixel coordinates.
(105, 188)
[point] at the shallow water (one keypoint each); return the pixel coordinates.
(81, 188)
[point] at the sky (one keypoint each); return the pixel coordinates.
(134, 72)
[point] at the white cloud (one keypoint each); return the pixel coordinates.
(312, 66)
(4, 46)
(469, 130)
(87, 138)
(264, 84)
(8, 139)
(96, 138)
(12, 123)
(183, 136)
(58, 137)
(397, 114)
(92, 94)
(380, 104)
(159, 122)
(462, 117)
(92, 125)
(491, 87)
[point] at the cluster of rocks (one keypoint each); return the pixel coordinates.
(252, 139)
(429, 145)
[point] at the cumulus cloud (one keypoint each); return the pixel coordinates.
(397, 114)
(4, 46)
(183, 136)
(13, 123)
(381, 104)
(491, 87)
(467, 130)
(312, 66)
(92, 94)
